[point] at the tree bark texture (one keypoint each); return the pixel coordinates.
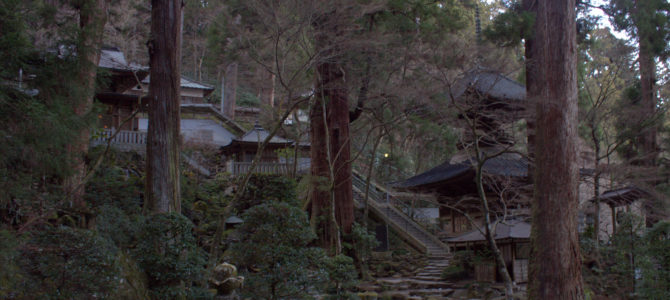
(330, 153)
(230, 90)
(329, 135)
(92, 19)
(647, 82)
(555, 265)
(163, 139)
(531, 77)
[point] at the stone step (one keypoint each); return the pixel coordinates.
(428, 278)
(431, 270)
(432, 292)
(440, 263)
(429, 274)
(413, 283)
(435, 266)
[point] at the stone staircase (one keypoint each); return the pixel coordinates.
(403, 225)
(427, 283)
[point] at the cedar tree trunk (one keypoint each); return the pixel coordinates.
(163, 140)
(230, 90)
(330, 154)
(648, 101)
(555, 264)
(92, 19)
(331, 194)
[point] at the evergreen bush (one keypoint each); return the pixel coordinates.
(69, 263)
(167, 251)
(264, 188)
(274, 251)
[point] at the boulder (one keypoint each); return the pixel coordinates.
(225, 280)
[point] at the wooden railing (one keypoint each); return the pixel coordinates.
(237, 168)
(124, 140)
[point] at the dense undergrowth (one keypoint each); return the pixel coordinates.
(125, 254)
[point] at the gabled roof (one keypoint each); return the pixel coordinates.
(258, 134)
(122, 75)
(252, 138)
(510, 229)
(113, 58)
(489, 82)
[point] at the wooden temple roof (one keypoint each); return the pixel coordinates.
(252, 138)
(492, 84)
(623, 196)
(509, 229)
(453, 179)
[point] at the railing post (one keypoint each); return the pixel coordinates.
(229, 167)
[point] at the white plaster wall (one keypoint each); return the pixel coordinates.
(192, 130)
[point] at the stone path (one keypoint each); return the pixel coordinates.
(427, 283)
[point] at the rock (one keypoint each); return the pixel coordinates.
(134, 282)
(368, 287)
(222, 272)
(225, 280)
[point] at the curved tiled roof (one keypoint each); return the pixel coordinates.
(503, 165)
(259, 134)
(490, 83)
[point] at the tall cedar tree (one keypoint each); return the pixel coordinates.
(163, 141)
(648, 21)
(330, 139)
(555, 265)
(92, 18)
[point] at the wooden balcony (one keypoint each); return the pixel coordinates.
(125, 140)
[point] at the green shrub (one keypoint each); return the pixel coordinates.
(655, 280)
(364, 241)
(247, 99)
(342, 276)
(117, 226)
(167, 251)
(68, 263)
(454, 272)
(463, 263)
(11, 275)
(263, 188)
(117, 187)
(274, 250)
